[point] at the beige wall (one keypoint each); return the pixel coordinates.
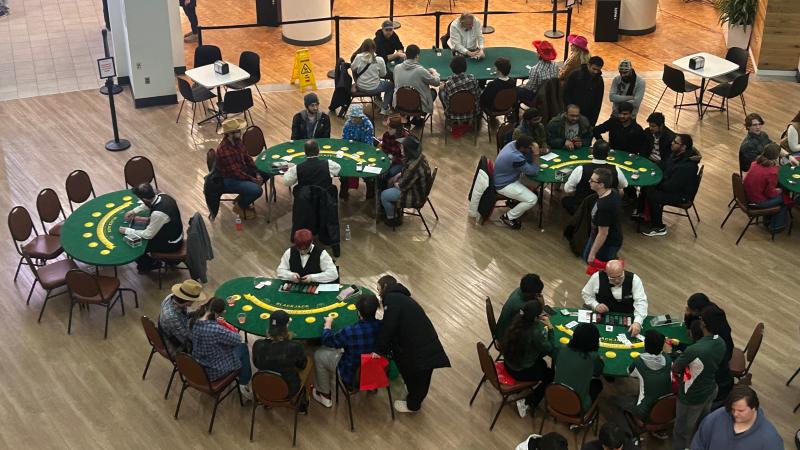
(775, 43)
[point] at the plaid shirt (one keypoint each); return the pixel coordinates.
(456, 83)
(541, 72)
(356, 339)
(174, 325)
(362, 132)
(234, 162)
(212, 347)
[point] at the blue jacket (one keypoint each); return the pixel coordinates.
(510, 164)
(716, 432)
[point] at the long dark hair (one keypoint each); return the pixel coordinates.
(216, 306)
(514, 342)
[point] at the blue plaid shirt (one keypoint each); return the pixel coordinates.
(212, 347)
(356, 339)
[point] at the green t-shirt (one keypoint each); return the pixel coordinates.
(653, 382)
(576, 369)
(702, 359)
(539, 343)
(510, 309)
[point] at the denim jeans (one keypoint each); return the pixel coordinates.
(389, 198)
(386, 88)
(243, 354)
(605, 253)
(191, 14)
(247, 190)
(687, 418)
(779, 220)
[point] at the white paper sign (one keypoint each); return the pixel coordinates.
(105, 67)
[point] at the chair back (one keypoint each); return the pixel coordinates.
(751, 350)
(563, 400)
(48, 205)
(253, 140)
(238, 101)
(206, 54)
(154, 337)
(250, 62)
(663, 410)
(186, 89)
(739, 85)
(211, 158)
(82, 284)
(674, 78)
(738, 56)
(407, 100)
(192, 372)
(490, 319)
(20, 224)
(139, 170)
(430, 185)
(738, 192)
(487, 365)
(697, 185)
(462, 103)
(504, 131)
(504, 100)
(79, 187)
(270, 389)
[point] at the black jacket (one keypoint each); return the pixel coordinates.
(579, 227)
(492, 89)
(408, 334)
(556, 129)
(385, 47)
(586, 91)
(629, 139)
(680, 174)
(316, 209)
(322, 127)
(341, 93)
(664, 144)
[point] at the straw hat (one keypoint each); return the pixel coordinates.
(190, 291)
(233, 124)
(578, 41)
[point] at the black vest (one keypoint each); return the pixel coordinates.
(604, 296)
(312, 265)
(172, 232)
(582, 190)
(314, 172)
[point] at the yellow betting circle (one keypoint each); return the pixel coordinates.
(795, 176)
(628, 163)
(634, 354)
(326, 147)
(372, 160)
(97, 214)
(247, 308)
(557, 160)
(92, 244)
(105, 252)
(89, 224)
(301, 312)
(544, 166)
(611, 355)
(573, 156)
(345, 149)
(569, 332)
(87, 235)
(276, 156)
(610, 158)
(642, 169)
(127, 198)
(289, 150)
(333, 315)
(311, 319)
(264, 316)
(564, 340)
(351, 307)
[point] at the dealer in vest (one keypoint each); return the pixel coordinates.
(618, 291)
(306, 262)
(313, 171)
(578, 182)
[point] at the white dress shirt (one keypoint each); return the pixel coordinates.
(157, 220)
(328, 274)
(462, 40)
(290, 177)
(576, 175)
(639, 297)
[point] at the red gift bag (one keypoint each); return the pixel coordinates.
(598, 265)
(373, 372)
(352, 182)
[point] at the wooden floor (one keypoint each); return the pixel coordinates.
(80, 391)
(693, 24)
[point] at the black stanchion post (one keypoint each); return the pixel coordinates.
(438, 15)
(395, 23)
(554, 33)
(105, 15)
(116, 144)
(199, 35)
(569, 26)
(332, 73)
(486, 28)
(115, 87)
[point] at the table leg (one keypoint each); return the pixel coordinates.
(541, 205)
(703, 83)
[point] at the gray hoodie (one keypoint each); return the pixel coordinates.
(716, 432)
(411, 73)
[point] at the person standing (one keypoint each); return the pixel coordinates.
(578, 182)
(466, 37)
(410, 73)
(368, 73)
(190, 9)
(605, 240)
(516, 159)
(578, 56)
(407, 334)
(311, 123)
(545, 69)
(626, 87)
(584, 88)
(387, 43)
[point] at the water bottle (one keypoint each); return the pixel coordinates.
(238, 223)
(347, 232)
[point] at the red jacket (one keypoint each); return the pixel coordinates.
(761, 183)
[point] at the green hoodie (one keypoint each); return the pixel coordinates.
(702, 359)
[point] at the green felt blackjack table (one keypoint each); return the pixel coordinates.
(616, 355)
(91, 233)
(308, 311)
(789, 178)
(483, 69)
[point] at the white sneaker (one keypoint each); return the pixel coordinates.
(401, 406)
(247, 394)
(324, 401)
(522, 407)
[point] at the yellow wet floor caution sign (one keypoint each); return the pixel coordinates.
(303, 71)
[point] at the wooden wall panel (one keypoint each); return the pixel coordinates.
(780, 46)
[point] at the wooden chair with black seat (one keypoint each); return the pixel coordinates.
(462, 103)
(741, 203)
(727, 91)
(660, 419)
(87, 289)
(250, 62)
(416, 210)
(564, 405)
(139, 170)
(504, 135)
(271, 391)
(33, 249)
(79, 188)
(502, 106)
(675, 80)
(688, 205)
(489, 368)
(194, 375)
(492, 323)
(48, 205)
(350, 391)
(237, 102)
(50, 277)
(157, 345)
(409, 104)
(742, 359)
(193, 95)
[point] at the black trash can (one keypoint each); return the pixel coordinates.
(606, 21)
(268, 12)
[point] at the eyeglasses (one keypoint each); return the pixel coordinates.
(594, 181)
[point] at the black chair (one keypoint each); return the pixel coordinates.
(194, 95)
(728, 91)
(350, 391)
(206, 54)
(238, 102)
(738, 56)
(675, 80)
(450, 2)
(417, 209)
(250, 62)
(686, 206)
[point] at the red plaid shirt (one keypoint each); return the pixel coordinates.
(234, 162)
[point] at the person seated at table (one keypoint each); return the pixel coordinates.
(616, 290)
(357, 128)
(584, 87)
(531, 125)
(653, 368)
(410, 73)
(790, 139)
(623, 132)
(578, 182)
(578, 365)
(368, 73)
(305, 262)
(280, 354)
(458, 82)
(313, 171)
(518, 158)
(528, 339)
(501, 83)
(761, 187)
(173, 320)
(754, 142)
(311, 123)
(390, 143)
(659, 139)
(627, 87)
(164, 230)
(355, 340)
(605, 238)
(218, 349)
(677, 186)
(545, 69)
(409, 188)
(578, 56)
(569, 130)
(530, 289)
(237, 169)
(387, 43)
(466, 36)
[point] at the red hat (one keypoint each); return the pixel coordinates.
(545, 50)
(578, 41)
(302, 238)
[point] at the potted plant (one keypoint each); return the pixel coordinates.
(738, 16)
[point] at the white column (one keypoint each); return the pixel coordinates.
(310, 33)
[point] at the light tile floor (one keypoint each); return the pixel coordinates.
(48, 47)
